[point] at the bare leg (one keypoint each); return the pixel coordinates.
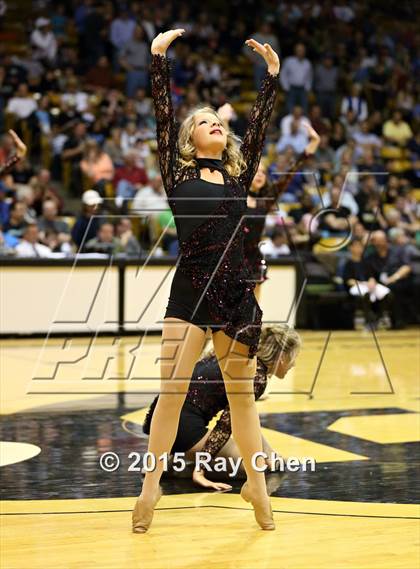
(257, 292)
(238, 374)
(182, 344)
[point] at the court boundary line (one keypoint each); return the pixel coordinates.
(215, 506)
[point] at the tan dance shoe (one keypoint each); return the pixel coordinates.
(263, 513)
(143, 513)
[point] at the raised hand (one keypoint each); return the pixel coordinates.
(266, 52)
(163, 40)
(314, 139)
(20, 146)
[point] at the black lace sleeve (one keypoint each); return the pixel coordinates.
(10, 162)
(220, 435)
(272, 192)
(166, 127)
(253, 141)
(221, 432)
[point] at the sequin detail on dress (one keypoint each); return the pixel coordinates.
(212, 256)
(207, 393)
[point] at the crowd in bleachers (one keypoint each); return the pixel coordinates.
(75, 85)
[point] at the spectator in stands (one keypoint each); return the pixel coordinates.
(325, 84)
(398, 236)
(397, 131)
(135, 59)
(44, 190)
(44, 41)
(49, 222)
(106, 242)
(297, 116)
(365, 140)
(277, 245)
(371, 298)
(73, 150)
(324, 157)
(74, 96)
(121, 32)
(53, 241)
(7, 243)
(30, 246)
(338, 135)
(355, 103)
(129, 243)
(296, 78)
(390, 266)
(87, 223)
(99, 78)
(22, 104)
(113, 147)
(340, 219)
(93, 31)
(128, 179)
(59, 21)
(408, 218)
(17, 221)
(295, 140)
(317, 120)
(371, 214)
(378, 85)
(97, 166)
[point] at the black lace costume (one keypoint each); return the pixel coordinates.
(256, 217)
(211, 285)
(206, 397)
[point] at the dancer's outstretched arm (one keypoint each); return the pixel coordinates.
(272, 193)
(253, 141)
(166, 128)
(20, 153)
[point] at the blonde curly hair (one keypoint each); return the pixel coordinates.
(232, 156)
(275, 341)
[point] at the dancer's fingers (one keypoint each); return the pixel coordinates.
(256, 46)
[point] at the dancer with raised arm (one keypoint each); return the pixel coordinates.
(262, 198)
(207, 174)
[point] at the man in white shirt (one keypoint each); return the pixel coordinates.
(23, 104)
(296, 139)
(296, 78)
(29, 246)
(295, 116)
(277, 245)
(43, 41)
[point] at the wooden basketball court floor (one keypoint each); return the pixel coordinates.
(351, 403)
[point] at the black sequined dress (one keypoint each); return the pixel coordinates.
(210, 268)
(206, 397)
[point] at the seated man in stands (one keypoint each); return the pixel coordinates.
(370, 297)
(390, 266)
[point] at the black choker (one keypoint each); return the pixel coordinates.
(210, 163)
